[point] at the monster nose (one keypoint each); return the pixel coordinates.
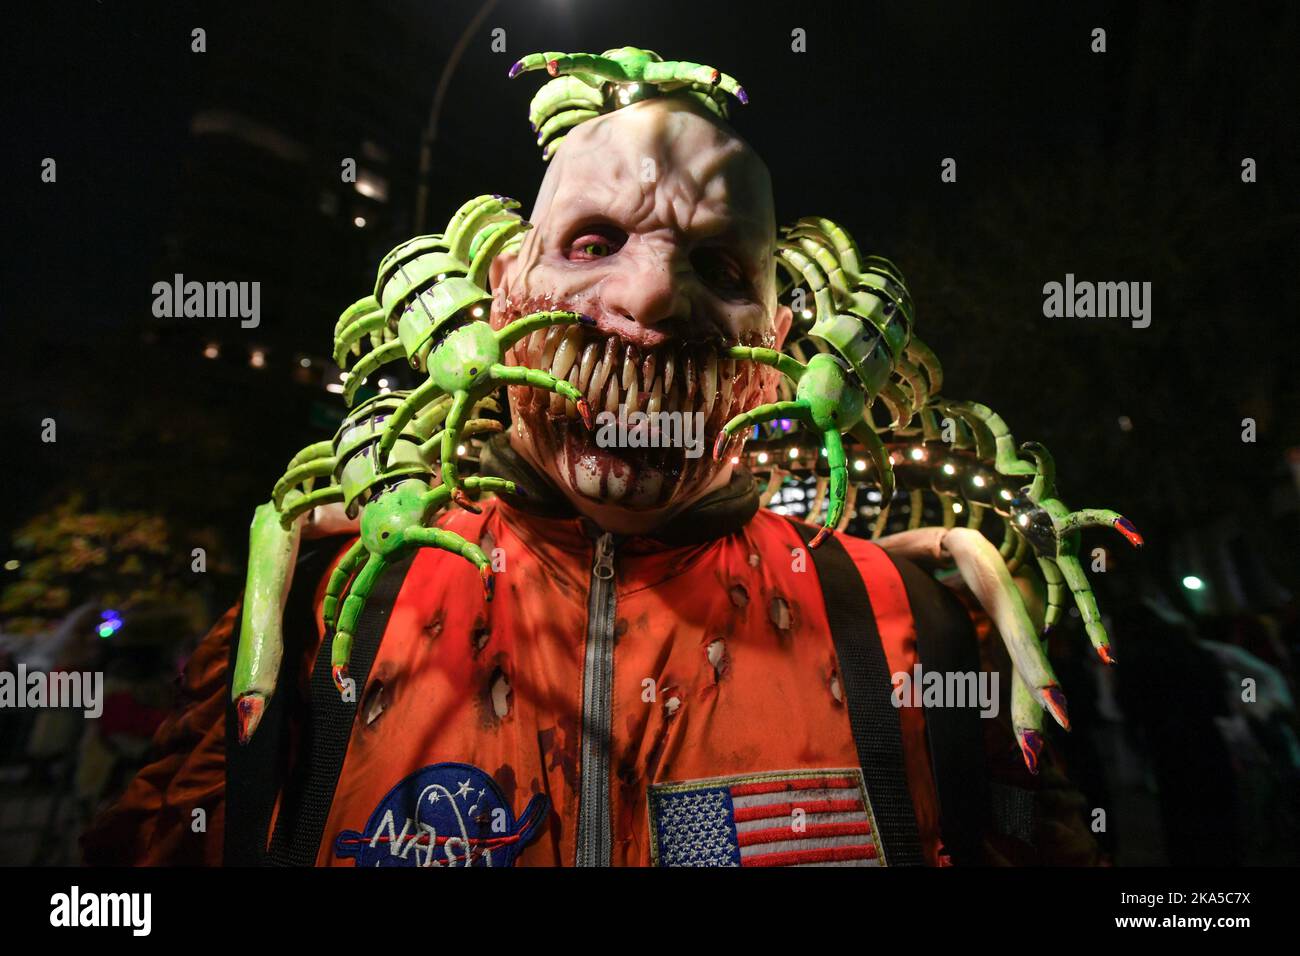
(641, 298)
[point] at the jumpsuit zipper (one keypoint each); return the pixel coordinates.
(595, 838)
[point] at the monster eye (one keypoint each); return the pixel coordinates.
(596, 242)
(721, 272)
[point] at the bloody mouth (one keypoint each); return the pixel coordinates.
(676, 375)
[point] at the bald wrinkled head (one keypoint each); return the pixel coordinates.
(657, 221)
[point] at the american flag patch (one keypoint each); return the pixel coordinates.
(783, 818)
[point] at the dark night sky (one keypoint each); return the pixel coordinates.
(1119, 166)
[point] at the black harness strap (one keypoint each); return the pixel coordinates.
(946, 644)
(255, 771)
(328, 729)
(864, 673)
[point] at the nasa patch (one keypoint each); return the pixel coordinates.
(447, 814)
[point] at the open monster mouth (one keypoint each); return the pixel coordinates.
(684, 390)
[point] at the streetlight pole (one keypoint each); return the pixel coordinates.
(430, 133)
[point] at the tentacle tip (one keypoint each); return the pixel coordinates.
(553, 67)
(1031, 746)
(249, 710)
(1129, 530)
(516, 69)
(742, 96)
(720, 445)
(489, 583)
(340, 674)
(585, 411)
(715, 78)
(819, 537)
(463, 500)
(1104, 653)
(586, 319)
(1054, 697)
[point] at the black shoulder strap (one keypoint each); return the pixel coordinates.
(328, 729)
(864, 673)
(946, 644)
(255, 771)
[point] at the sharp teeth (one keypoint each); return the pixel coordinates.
(729, 372)
(670, 366)
(570, 407)
(611, 397)
(537, 342)
(629, 368)
(631, 398)
(588, 365)
(557, 404)
(648, 372)
(709, 382)
(692, 382)
(567, 353)
(656, 401)
(603, 370)
(553, 336)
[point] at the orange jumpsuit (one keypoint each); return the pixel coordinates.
(723, 712)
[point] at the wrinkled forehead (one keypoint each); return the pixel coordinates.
(660, 163)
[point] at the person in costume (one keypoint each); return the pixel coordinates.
(662, 672)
